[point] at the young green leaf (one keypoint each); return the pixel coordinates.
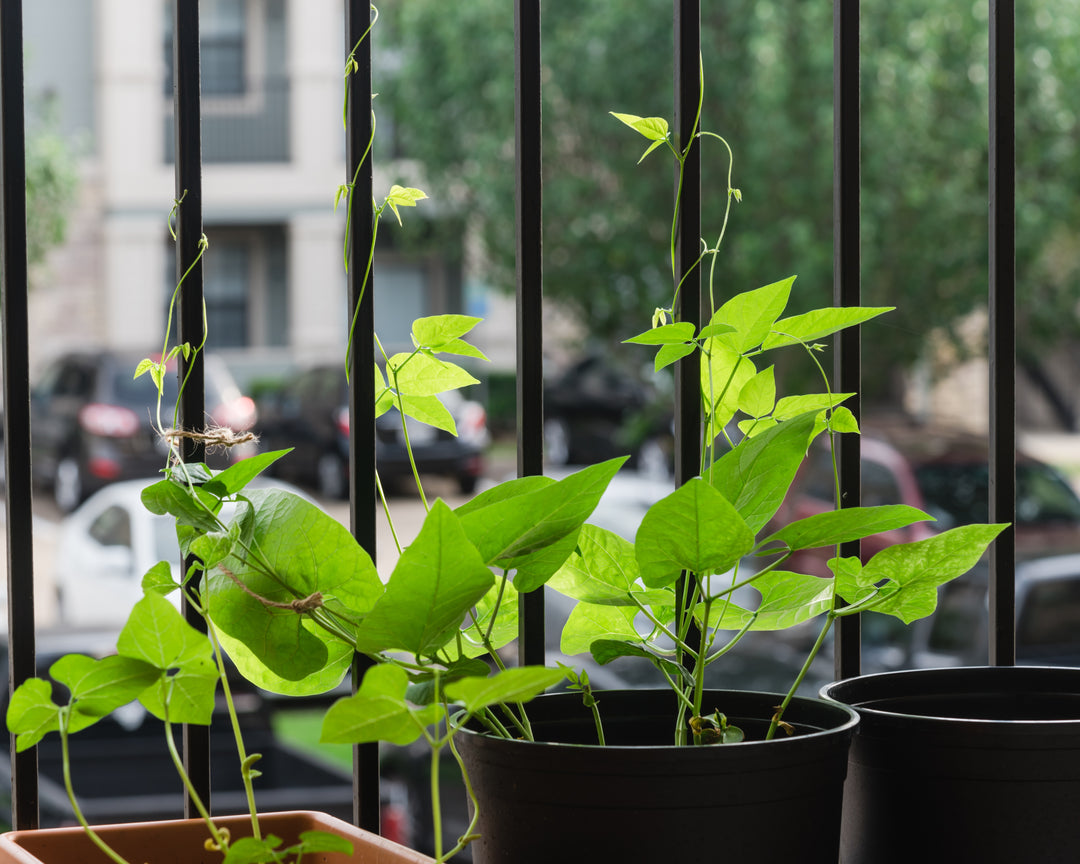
(234, 478)
(758, 395)
(519, 684)
(248, 850)
(436, 331)
(819, 323)
(756, 475)
(400, 196)
(438, 578)
(424, 375)
(724, 372)
(508, 527)
(666, 334)
(793, 406)
(787, 599)
(606, 650)
(168, 498)
(695, 528)
(429, 410)
(669, 354)
(752, 314)
(98, 687)
(159, 579)
(31, 713)
(833, 527)
(917, 569)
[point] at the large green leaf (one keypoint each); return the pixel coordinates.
(437, 580)
(519, 684)
(819, 323)
(436, 331)
(507, 528)
(99, 686)
(237, 476)
(833, 527)
(917, 569)
(589, 622)
(694, 528)
(787, 599)
(535, 568)
(755, 475)
(157, 634)
(752, 314)
(378, 711)
(301, 553)
(420, 374)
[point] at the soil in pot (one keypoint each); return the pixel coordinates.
(641, 799)
(967, 764)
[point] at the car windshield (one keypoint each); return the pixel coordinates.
(962, 490)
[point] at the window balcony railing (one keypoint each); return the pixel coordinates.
(260, 134)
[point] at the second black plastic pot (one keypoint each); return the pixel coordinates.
(641, 799)
(966, 764)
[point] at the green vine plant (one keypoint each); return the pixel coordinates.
(291, 598)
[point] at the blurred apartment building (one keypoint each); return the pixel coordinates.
(273, 154)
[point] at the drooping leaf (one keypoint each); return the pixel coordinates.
(833, 527)
(438, 578)
(429, 410)
(519, 684)
(694, 528)
(653, 128)
(917, 569)
(168, 498)
(378, 711)
(606, 650)
(669, 354)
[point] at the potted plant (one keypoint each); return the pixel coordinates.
(290, 597)
(983, 760)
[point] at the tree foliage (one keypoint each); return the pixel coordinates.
(768, 90)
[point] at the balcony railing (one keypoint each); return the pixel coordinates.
(198, 128)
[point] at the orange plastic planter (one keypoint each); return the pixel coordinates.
(182, 841)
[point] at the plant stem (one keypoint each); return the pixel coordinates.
(220, 839)
(469, 834)
(829, 617)
(90, 832)
(241, 751)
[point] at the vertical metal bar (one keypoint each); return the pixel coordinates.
(1002, 329)
(687, 244)
(358, 141)
(846, 284)
(18, 491)
(190, 329)
(530, 286)
(686, 273)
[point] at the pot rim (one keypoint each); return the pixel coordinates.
(945, 681)
(845, 727)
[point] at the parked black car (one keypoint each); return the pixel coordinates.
(311, 415)
(596, 410)
(91, 420)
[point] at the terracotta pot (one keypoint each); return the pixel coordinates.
(181, 841)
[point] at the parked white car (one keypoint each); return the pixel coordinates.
(105, 546)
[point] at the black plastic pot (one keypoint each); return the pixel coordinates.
(641, 799)
(967, 764)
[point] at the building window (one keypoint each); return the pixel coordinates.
(222, 46)
(244, 287)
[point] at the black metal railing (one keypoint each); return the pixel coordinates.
(529, 293)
